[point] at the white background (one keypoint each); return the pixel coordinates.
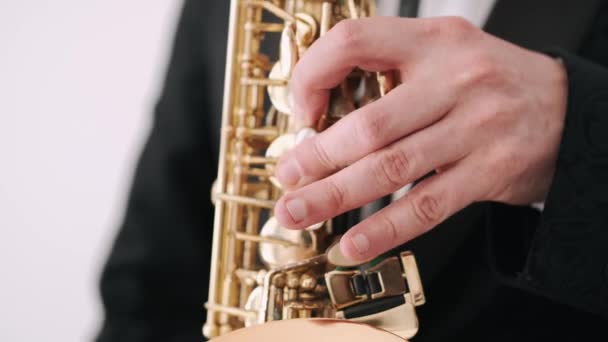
(78, 81)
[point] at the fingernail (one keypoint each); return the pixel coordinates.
(288, 172)
(297, 209)
(361, 243)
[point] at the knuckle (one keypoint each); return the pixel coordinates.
(431, 29)
(458, 26)
(322, 156)
(480, 69)
(428, 209)
(453, 28)
(394, 168)
(390, 227)
(493, 113)
(337, 196)
(508, 166)
(483, 120)
(346, 33)
(370, 128)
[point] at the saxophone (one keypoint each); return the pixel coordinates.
(260, 271)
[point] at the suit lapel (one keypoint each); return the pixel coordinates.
(538, 24)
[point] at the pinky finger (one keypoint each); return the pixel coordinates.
(428, 204)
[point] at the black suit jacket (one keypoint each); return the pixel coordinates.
(491, 272)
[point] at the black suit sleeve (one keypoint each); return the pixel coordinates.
(568, 260)
(155, 282)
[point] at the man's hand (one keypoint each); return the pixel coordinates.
(486, 115)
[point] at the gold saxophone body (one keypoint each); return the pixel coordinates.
(260, 271)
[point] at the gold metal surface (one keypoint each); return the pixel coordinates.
(400, 320)
(340, 289)
(388, 272)
(260, 271)
(414, 283)
(391, 279)
(391, 276)
(307, 330)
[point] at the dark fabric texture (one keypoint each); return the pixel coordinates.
(155, 282)
(570, 253)
(492, 272)
(541, 23)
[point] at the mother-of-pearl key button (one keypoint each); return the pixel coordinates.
(289, 52)
(279, 94)
(284, 143)
(336, 258)
(315, 226)
(306, 29)
(304, 134)
(278, 148)
(300, 244)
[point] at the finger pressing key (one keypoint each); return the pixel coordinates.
(376, 175)
(398, 114)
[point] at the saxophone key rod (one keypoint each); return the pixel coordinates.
(257, 238)
(246, 200)
(265, 82)
(253, 160)
(268, 133)
(272, 8)
(265, 27)
(257, 172)
(232, 311)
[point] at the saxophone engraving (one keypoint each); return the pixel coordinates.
(260, 271)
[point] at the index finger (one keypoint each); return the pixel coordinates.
(373, 44)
